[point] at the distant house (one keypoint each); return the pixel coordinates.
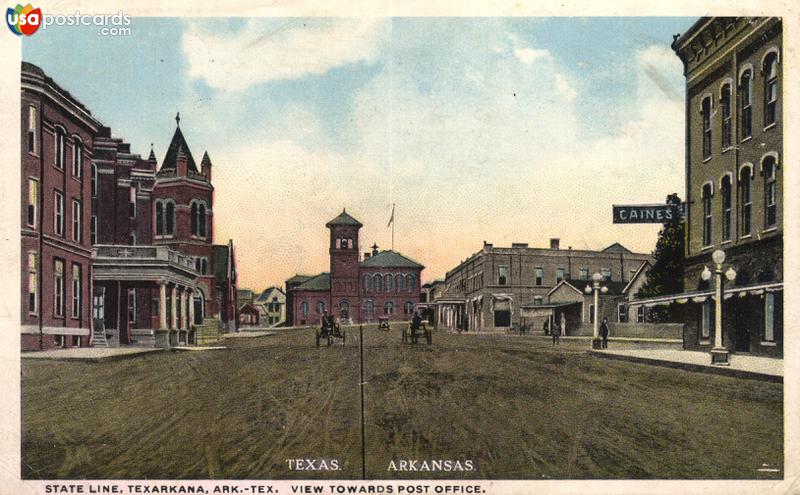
(249, 315)
(271, 304)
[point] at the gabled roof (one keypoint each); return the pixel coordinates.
(319, 282)
(248, 306)
(617, 248)
(642, 269)
(176, 146)
(344, 219)
(266, 293)
(564, 282)
(390, 259)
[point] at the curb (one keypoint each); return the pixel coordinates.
(697, 368)
(97, 359)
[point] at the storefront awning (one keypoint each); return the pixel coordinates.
(702, 296)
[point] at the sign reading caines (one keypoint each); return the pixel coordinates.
(646, 213)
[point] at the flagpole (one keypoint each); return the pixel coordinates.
(392, 226)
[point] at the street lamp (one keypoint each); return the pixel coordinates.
(719, 354)
(597, 289)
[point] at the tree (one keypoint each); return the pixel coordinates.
(666, 275)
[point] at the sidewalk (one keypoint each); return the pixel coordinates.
(247, 334)
(742, 366)
(90, 354)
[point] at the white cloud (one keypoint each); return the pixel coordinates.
(564, 88)
(295, 49)
(530, 55)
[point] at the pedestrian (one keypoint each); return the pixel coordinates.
(546, 326)
(604, 332)
(556, 331)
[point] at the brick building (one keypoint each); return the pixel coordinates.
(734, 181)
(381, 284)
(111, 242)
(488, 290)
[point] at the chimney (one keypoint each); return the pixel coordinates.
(367, 254)
(554, 243)
(519, 244)
(487, 246)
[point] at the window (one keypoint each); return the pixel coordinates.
(389, 281)
(320, 307)
(538, 301)
(77, 160)
(559, 274)
(159, 218)
(33, 282)
(388, 308)
(93, 229)
(59, 341)
(770, 89)
(378, 279)
(408, 308)
(706, 111)
(538, 275)
(746, 197)
(58, 214)
(132, 239)
(33, 202)
(76, 290)
(583, 274)
(707, 323)
(170, 218)
(726, 208)
(58, 287)
(622, 313)
(502, 278)
(398, 282)
(411, 282)
(769, 317)
(132, 202)
(76, 220)
(370, 309)
(707, 225)
(640, 315)
(725, 100)
(304, 308)
(606, 273)
(94, 180)
(770, 193)
(201, 219)
(33, 129)
(746, 95)
(201, 265)
(367, 282)
(61, 151)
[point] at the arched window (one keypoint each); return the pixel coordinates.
(389, 281)
(170, 218)
(746, 97)
(304, 308)
(725, 101)
(159, 217)
(338, 243)
(398, 282)
(344, 309)
(706, 111)
(370, 307)
(408, 308)
(727, 207)
(367, 282)
(411, 282)
(201, 219)
(61, 149)
(770, 192)
(388, 308)
(708, 193)
(770, 89)
(349, 243)
(77, 159)
(746, 199)
(320, 307)
(194, 218)
(378, 279)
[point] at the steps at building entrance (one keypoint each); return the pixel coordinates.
(99, 339)
(209, 332)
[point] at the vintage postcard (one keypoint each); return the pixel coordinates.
(380, 249)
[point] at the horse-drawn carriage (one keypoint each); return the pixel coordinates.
(329, 333)
(412, 335)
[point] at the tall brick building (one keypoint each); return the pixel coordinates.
(111, 242)
(734, 180)
(381, 284)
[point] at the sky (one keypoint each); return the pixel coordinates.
(478, 129)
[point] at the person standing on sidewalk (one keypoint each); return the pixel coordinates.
(604, 332)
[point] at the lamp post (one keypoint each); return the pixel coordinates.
(597, 289)
(719, 354)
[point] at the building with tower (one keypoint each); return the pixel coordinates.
(358, 289)
(128, 258)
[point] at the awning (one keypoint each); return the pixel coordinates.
(703, 296)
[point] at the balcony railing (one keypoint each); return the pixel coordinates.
(147, 254)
